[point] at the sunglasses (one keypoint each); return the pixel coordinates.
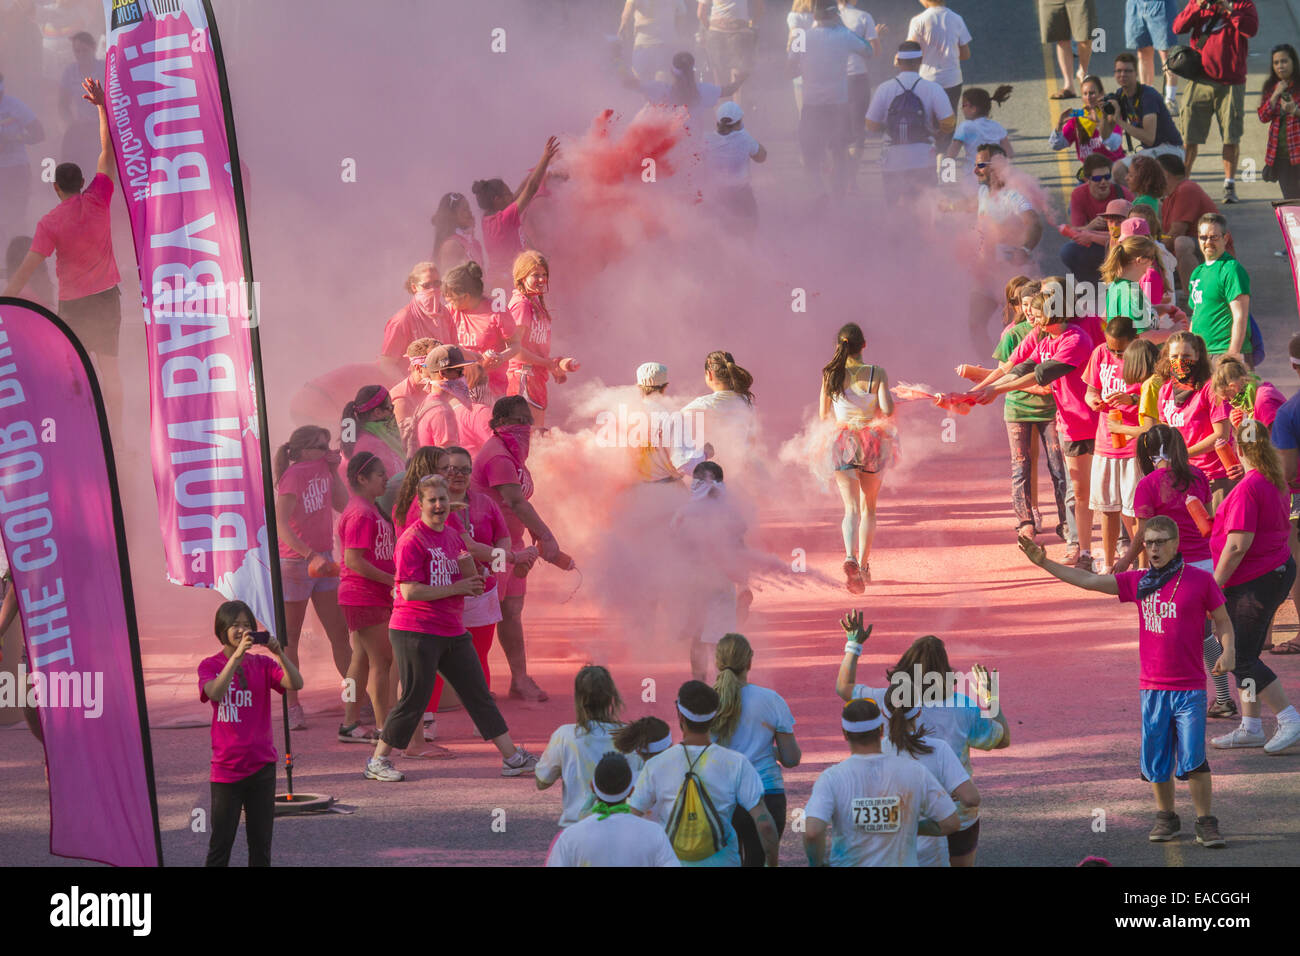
(1157, 542)
(456, 470)
(435, 284)
(983, 165)
(1100, 179)
(1210, 238)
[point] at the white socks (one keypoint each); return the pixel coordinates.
(1252, 725)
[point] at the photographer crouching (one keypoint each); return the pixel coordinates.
(239, 685)
(1140, 111)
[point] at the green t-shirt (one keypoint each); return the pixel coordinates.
(1125, 297)
(1213, 285)
(1022, 406)
(1151, 201)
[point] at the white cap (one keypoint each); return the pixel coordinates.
(652, 373)
(730, 112)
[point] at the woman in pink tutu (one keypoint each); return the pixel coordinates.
(857, 440)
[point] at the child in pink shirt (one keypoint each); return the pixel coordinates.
(532, 364)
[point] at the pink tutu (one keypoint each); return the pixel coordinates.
(843, 446)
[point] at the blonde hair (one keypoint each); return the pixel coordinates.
(526, 262)
(1226, 370)
(1257, 451)
(308, 436)
(1125, 252)
(417, 270)
(437, 482)
(733, 657)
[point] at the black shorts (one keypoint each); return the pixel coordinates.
(964, 841)
(1073, 449)
(95, 320)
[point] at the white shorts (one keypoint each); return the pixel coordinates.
(1114, 482)
(483, 609)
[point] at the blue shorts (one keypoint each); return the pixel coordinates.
(1149, 23)
(1173, 732)
(297, 584)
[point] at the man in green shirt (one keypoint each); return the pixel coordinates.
(1220, 293)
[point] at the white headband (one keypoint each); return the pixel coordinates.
(659, 746)
(862, 726)
(698, 718)
(914, 712)
(1160, 455)
(909, 54)
(1295, 362)
(611, 797)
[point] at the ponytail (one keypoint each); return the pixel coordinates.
(291, 451)
(640, 734)
(349, 416)
(906, 738)
(848, 341)
(733, 657)
(1171, 440)
(726, 371)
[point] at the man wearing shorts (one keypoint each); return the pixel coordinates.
(1285, 436)
(1149, 26)
(1173, 599)
(79, 233)
(1061, 22)
(1219, 29)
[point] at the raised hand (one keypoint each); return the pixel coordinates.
(852, 624)
(94, 91)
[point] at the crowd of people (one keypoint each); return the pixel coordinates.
(1130, 374)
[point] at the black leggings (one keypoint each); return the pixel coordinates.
(1251, 607)
(255, 795)
(751, 844)
(420, 659)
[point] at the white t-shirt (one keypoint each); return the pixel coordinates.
(958, 721)
(824, 63)
(575, 756)
(655, 21)
(996, 209)
(941, 32)
(873, 803)
(621, 839)
(975, 133)
(730, 779)
(727, 422)
(947, 769)
(861, 23)
(701, 111)
(904, 156)
(763, 714)
(727, 157)
(729, 10)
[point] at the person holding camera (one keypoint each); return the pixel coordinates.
(1142, 115)
(239, 685)
(1219, 29)
(1277, 107)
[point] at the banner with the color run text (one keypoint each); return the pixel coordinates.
(61, 522)
(1288, 217)
(169, 120)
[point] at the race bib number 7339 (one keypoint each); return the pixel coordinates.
(876, 814)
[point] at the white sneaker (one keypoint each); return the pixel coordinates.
(1240, 737)
(382, 769)
(1287, 734)
(1171, 104)
(297, 718)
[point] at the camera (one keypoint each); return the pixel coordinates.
(260, 637)
(1110, 104)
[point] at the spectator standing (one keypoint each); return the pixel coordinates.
(1277, 107)
(1063, 21)
(1149, 26)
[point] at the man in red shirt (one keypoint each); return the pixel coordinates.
(1087, 203)
(1219, 29)
(79, 233)
(1182, 206)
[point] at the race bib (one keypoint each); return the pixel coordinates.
(876, 814)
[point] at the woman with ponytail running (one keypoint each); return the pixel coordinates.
(756, 722)
(725, 417)
(861, 441)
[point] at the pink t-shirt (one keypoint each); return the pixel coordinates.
(425, 556)
(241, 723)
(313, 513)
(485, 524)
(1105, 373)
(503, 240)
(1172, 627)
(1076, 419)
(495, 466)
(362, 526)
(412, 322)
(1255, 505)
(1156, 495)
(78, 229)
(1094, 327)
(1152, 285)
(482, 331)
(1195, 421)
(1085, 144)
(394, 464)
(532, 317)
(1267, 401)
(439, 423)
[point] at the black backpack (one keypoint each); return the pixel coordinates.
(1185, 62)
(906, 121)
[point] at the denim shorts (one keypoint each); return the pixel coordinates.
(1149, 23)
(297, 584)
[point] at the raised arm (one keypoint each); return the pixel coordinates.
(95, 95)
(1101, 583)
(534, 181)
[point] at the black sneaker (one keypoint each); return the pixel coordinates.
(1167, 826)
(1229, 193)
(1207, 832)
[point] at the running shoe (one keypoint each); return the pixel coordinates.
(1061, 530)
(1287, 734)
(520, 690)
(297, 719)
(518, 763)
(853, 576)
(1084, 561)
(1229, 193)
(382, 769)
(1207, 832)
(866, 572)
(1240, 737)
(1071, 557)
(1166, 828)
(356, 734)
(1221, 709)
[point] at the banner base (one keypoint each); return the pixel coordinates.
(302, 803)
